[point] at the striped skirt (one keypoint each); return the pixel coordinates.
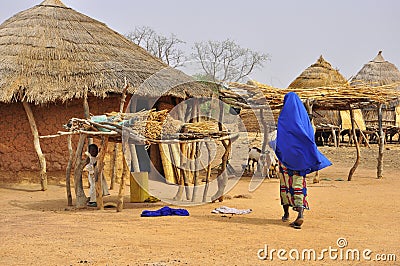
(293, 188)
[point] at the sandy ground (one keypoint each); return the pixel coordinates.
(37, 228)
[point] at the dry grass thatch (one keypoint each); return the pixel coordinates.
(259, 96)
(377, 72)
(319, 74)
(51, 52)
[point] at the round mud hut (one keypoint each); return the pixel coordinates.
(378, 72)
(51, 58)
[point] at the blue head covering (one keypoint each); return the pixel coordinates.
(295, 145)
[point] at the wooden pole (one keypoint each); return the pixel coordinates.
(208, 172)
(262, 169)
(86, 111)
(68, 171)
(196, 158)
(98, 173)
(113, 168)
(36, 143)
(353, 129)
(79, 192)
(222, 179)
(134, 158)
(379, 172)
(309, 108)
(182, 178)
(335, 143)
(124, 176)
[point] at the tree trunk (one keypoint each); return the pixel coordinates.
(79, 192)
(36, 143)
(353, 129)
(68, 171)
(379, 172)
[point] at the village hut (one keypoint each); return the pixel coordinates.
(322, 74)
(378, 72)
(51, 56)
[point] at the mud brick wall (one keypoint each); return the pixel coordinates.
(17, 152)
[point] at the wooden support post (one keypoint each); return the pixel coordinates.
(123, 96)
(79, 192)
(188, 168)
(86, 111)
(132, 147)
(335, 143)
(196, 152)
(263, 169)
(379, 171)
(113, 168)
(309, 107)
(124, 176)
(182, 177)
(36, 143)
(222, 178)
(68, 171)
(208, 172)
(362, 135)
(98, 173)
(353, 129)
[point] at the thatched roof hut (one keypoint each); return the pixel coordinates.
(378, 72)
(321, 74)
(51, 53)
(50, 56)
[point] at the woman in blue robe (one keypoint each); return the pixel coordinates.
(298, 156)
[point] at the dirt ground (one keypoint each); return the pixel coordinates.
(37, 228)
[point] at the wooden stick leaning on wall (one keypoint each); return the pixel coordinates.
(36, 143)
(68, 171)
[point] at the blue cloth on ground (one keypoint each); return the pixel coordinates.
(295, 144)
(165, 211)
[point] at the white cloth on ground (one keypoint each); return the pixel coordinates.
(228, 210)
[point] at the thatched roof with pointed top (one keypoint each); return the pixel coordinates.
(53, 53)
(377, 72)
(319, 74)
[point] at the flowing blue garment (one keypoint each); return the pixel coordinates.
(165, 211)
(295, 144)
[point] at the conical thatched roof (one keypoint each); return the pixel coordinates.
(51, 52)
(377, 72)
(319, 74)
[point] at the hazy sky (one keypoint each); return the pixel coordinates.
(348, 33)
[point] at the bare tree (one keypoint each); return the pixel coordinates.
(226, 61)
(160, 46)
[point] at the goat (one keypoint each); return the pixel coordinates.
(271, 162)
